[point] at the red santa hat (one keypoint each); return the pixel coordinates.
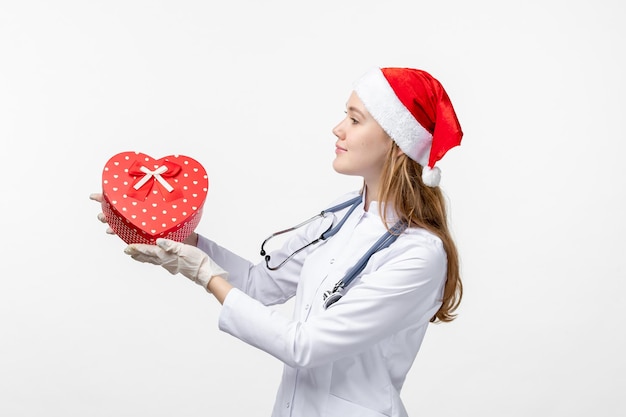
(415, 111)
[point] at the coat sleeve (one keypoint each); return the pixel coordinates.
(401, 287)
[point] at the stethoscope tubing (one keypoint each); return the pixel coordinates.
(331, 297)
(353, 202)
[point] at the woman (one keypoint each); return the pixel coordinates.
(347, 352)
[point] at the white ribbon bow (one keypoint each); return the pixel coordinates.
(157, 176)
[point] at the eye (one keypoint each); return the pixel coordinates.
(352, 119)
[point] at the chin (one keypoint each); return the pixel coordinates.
(337, 167)
(343, 169)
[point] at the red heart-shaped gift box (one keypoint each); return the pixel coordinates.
(146, 198)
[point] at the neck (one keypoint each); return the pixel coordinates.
(371, 194)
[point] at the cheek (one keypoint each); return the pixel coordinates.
(377, 149)
(370, 157)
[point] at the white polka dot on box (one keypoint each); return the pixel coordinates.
(146, 198)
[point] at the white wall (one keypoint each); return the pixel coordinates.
(252, 89)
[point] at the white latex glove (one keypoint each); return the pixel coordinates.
(177, 258)
(98, 197)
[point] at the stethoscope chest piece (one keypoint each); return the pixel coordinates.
(331, 297)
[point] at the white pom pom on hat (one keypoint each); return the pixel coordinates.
(415, 111)
(431, 176)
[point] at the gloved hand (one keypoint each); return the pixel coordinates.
(177, 258)
(98, 197)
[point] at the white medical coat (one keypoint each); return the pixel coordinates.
(351, 359)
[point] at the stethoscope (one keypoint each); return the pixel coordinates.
(330, 297)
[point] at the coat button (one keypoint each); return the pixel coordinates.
(332, 261)
(306, 307)
(288, 405)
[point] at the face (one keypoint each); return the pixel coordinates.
(362, 145)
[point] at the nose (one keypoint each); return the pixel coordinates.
(338, 131)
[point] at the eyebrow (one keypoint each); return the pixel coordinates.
(354, 109)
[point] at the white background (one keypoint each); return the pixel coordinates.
(252, 90)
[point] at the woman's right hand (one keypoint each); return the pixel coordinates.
(98, 197)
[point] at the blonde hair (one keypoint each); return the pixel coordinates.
(418, 205)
